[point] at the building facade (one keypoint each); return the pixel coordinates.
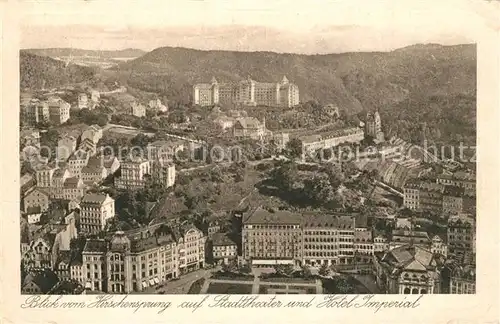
(270, 238)
(77, 162)
(38, 199)
(249, 127)
(247, 92)
(133, 173)
(95, 211)
(163, 172)
(224, 248)
(328, 240)
(58, 110)
(408, 269)
(463, 280)
(461, 234)
(313, 143)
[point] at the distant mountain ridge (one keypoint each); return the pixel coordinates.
(106, 54)
(354, 81)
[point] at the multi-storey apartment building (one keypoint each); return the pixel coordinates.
(37, 111)
(453, 199)
(313, 143)
(77, 161)
(380, 244)
(58, 179)
(92, 173)
(247, 92)
(224, 248)
(138, 259)
(36, 199)
(163, 172)
(461, 234)
(93, 133)
(438, 246)
(272, 237)
(135, 265)
(363, 245)
(58, 110)
(94, 264)
(74, 189)
(133, 173)
(423, 195)
(463, 280)
(191, 247)
(44, 175)
(328, 239)
(96, 210)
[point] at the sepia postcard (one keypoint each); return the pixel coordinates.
(302, 161)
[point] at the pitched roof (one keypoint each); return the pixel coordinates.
(332, 220)
(45, 280)
(222, 239)
(79, 155)
(262, 216)
(95, 246)
(92, 169)
(249, 122)
(94, 198)
(72, 183)
(43, 191)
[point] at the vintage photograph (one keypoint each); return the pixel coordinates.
(235, 154)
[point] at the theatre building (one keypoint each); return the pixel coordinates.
(407, 269)
(272, 237)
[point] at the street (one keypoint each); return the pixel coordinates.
(180, 286)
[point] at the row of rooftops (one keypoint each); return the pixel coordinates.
(334, 134)
(138, 240)
(261, 216)
(460, 176)
(214, 81)
(447, 190)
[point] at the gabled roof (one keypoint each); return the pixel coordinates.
(45, 280)
(79, 155)
(38, 189)
(72, 183)
(92, 169)
(248, 122)
(222, 239)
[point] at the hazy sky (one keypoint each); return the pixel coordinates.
(312, 26)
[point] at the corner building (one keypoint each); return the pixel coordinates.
(270, 238)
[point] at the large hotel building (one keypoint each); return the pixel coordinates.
(283, 237)
(138, 259)
(247, 92)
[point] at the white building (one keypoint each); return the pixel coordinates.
(96, 210)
